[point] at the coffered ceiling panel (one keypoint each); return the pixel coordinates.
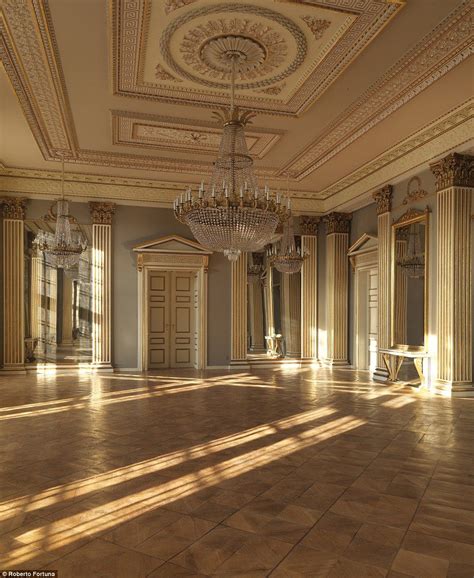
(348, 94)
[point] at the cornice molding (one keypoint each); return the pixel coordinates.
(309, 225)
(338, 223)
(455, 170)
(102, 213)
(14, 208)
(383, 199)
(437, 53)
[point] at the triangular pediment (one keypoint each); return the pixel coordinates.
(172, 244)
(364, 244)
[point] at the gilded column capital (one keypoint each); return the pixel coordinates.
(102, 213)
(338, 222)
(309, 225)
(14, 208)
(383, 199)
(455, 170)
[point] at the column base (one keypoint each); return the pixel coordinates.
(14, 369)
(452, 389)
(102, 367)
(336, 363)
(380, 374)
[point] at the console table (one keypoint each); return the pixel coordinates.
(401, 352)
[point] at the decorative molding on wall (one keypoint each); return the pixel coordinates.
(437, 53)
(414, 194)
(448, 132)
(410, 214)
(356, 27)
(181, 134)
(383, 199)
(337, 223)
(455, 170)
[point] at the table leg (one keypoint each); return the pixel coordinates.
(418, 361)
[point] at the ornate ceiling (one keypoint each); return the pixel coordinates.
(348, 93)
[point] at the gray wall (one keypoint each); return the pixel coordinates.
(134, 225)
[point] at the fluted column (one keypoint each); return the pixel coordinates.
(454, 182)
(291, 313)
(102, 215)
(36, 288)
(257, 332)
(337, 288)
(309, 288)
(13, 285)
(383, 199)
(239, 309)
(67, 321)
(268, 301)
(401, 291)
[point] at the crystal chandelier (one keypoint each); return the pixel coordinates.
(64, 248)
(232, 215)
(413, 263)
(289, 258)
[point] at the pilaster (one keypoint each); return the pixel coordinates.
(239, 309)
(309, 287)
(268, 301)
(337, 287)
(13, 285)
(102, 216)
(290, 308)
(383, 199)
(454, 182)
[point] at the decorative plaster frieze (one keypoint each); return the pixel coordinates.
(316, 25)
(309, 225)
(338, 223)
(414, 194)
(102, 213)
(455, 170)
(14, 208)
(383, 199)
(437, 53)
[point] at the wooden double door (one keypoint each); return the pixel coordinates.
(172, 319)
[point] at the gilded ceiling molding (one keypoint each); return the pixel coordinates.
(29, 53)
(437, 53)
(435, 139)
(317, 26)
(14, 208)
(414, 194)
(338, 222)
(455, 170)
(102, 213)
(364, 19)
(172, 5)
(383, 199)
(309, 225)
(162, 74)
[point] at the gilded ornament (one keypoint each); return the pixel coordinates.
(383, 199)
(102, 213)
(414, 194)
(410, 215)
(316, 25)
(14, 208)
(309, 225)
(455, 170)
(338, 222)
(172, 5)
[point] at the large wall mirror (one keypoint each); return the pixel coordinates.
(410, 246)
(273, 310)
(58, 303)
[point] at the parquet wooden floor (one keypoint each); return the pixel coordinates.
(286, 472)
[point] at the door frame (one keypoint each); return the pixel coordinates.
(172, 253)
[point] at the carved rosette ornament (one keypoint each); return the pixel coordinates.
(383, 198)
(338, 223)
(102, 213)
(14, 208)
(309, 225)
(455, 170)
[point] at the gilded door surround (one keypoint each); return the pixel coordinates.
(363, 256)
(454, 176)
(171, 253)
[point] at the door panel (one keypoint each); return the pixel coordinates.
(182, 323)
(158, 319)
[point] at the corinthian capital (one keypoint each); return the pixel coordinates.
(455, 170)
(383, 199)
(102, 213)
(14, 208)
(309, 225)
(338, 222)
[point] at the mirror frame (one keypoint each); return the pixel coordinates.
(410, 217)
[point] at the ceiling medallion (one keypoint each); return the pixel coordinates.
(263, 45)
(233, 215)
